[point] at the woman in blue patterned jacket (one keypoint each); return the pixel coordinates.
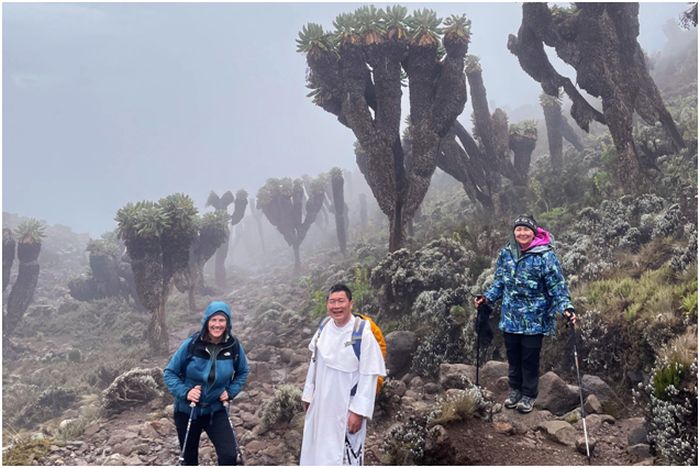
(531, 287)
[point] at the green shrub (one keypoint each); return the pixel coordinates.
(689, 304)
(624, 323)
(25, 450)
(672, 408)
(666, 377)
(284, 405)
(404, 444)
(457, 406)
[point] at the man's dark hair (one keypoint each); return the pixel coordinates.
(340, 287)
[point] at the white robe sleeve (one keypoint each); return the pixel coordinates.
(363, 401)
(371, 367)
(310, 384)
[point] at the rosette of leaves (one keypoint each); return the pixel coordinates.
(424, 28)
(370, 25)
(28, 234)
(472, 64)
(314, 41)
(346, 29)
(182, 229)
(394, 19)
(457, 33)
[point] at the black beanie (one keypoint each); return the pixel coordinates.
(525, 220)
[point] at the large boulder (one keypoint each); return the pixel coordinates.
(522, 423)
(556, 395)
(400, 346)
(490, 372)
(594, 385)
(457, 375)
(638, 431)
(133, 388)
(560, 431)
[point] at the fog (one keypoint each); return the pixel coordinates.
(105, 104)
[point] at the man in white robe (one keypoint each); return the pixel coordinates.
(335, 425)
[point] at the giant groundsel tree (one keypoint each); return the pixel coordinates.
(28, 241)
(356, 73)
(282, 202)
(600, 41)
(158, 238)
(220, 204)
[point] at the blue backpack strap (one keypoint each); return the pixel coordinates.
(357, 336)
(357, 343)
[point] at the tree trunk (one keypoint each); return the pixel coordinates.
(8, 256)
(552, 119)
(467, 164)
(258, 223)
(396, 230)
(570, 135)
(522, 146)
(220, 265)
(363, 211)
(105, 271)
(600, 41)
(157, 332)
(21, 295)
(339, 210)
(297, 259)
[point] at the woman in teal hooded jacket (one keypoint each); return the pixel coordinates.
(531, 287)
(208, 369)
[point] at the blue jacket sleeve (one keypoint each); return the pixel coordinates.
(495, 292)
(171, 373)
(240, 376)
(556, 284)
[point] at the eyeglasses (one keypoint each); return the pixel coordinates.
(340, 302)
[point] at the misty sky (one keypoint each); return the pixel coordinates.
(104, 104)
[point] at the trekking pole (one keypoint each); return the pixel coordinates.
(580, 394)
(181, 460)
(239, 453)
(478, 351)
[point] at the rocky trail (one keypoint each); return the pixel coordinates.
(142, 433)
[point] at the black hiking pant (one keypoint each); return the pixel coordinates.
(217, 427)
(523, 362)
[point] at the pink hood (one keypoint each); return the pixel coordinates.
(542, 237)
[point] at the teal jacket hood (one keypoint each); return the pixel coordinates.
(213, 308)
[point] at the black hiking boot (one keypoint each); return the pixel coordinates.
(513, 398)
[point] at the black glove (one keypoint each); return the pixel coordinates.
(570, 316)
